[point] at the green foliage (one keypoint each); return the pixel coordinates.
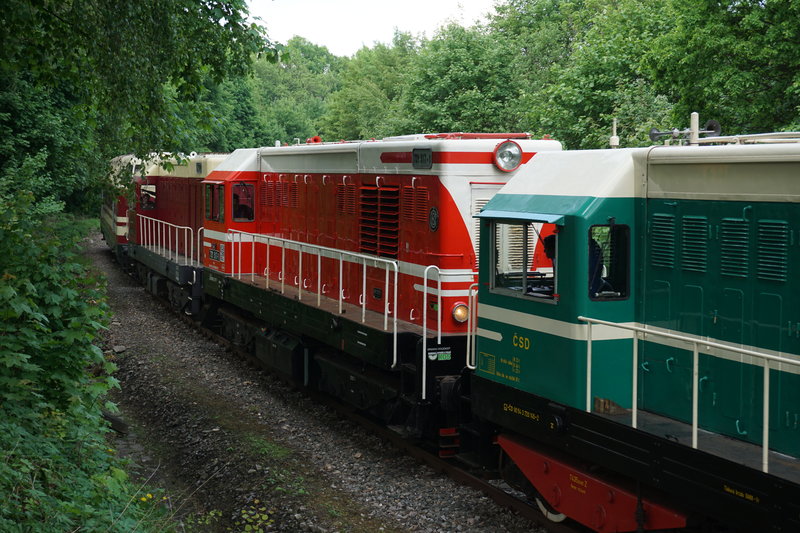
(291, 95)
(86, 80)
(367, 105)
(460, 81)
(56, 473)
(734, 61)
(601, 78)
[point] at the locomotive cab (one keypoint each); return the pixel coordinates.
(558, 253)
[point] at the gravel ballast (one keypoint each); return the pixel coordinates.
(234, 446)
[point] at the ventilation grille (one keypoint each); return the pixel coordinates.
(267, 194)
(415, 204)
(346, 199)
(477, 205)
(735, 260)
(663, 240)
(695, 244)
(379, 221)
(773, 250)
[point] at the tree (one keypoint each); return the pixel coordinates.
(372, 84)
(735, 61)
(290, 95)
(459, 81)
(113, 75)
(602, 78)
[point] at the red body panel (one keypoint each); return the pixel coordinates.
(405, 202)
(595, 503)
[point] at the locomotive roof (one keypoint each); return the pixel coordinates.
(558, 184)
(391, 155)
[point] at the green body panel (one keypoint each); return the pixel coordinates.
(723, 273)
(552, 359)
(721, 270)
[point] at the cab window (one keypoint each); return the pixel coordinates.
(147, 198)
(242, 202)
(609, 271)
(525, 259)
(215, 202)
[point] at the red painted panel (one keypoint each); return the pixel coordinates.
(595, 503)
(460, 158)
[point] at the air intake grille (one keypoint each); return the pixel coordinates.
(695, 244)
(379, 221)
(663, 240)
(735, 260)
(773, 250)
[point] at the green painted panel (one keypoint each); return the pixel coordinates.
(726, 267)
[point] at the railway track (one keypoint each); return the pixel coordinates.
(451, 468)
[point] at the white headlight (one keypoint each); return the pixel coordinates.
(507, 156)
(460, 312)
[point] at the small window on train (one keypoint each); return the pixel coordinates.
(609, 265)
(525, 259)
(148, 197)
(215, 202)
(242, 203)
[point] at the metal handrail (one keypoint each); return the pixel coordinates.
(158, 233)
(472, 322)
(425, 320)
(695, 342)
(200, 233)
(331, 253)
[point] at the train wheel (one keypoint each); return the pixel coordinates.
(548, 512)
(516, 479)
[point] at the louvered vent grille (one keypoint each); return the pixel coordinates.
(346, 199)
(293, 195)
(368, 232)
(388, 221)
(264, 197)
(695, 244)
(773, 250)
(735, 260)
(477, 205)
(379, 222)
(282, 194)
(663, 240)
(415, 204)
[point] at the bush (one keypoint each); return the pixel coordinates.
(56, 471)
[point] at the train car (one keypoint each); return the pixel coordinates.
(347, 266)
(114, 209)
(638, 356)
(166, 223)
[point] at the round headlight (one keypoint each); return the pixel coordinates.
(507, 156)
(460, 312)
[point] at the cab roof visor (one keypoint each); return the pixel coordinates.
(548, 218)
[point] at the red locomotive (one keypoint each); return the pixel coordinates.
(347, 266)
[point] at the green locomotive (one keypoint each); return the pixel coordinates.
(629, 302)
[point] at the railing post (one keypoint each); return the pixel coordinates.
(283, 267)
(394, 318)
(253, 257)
(589, 367)
(765, 435)
(319, 278)
(364, 290)
(695, 393)
(239, 260)
(267, 270)
(635, 385)
(341, 276)
(471, 322)
(386, 296)
(300, 273)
